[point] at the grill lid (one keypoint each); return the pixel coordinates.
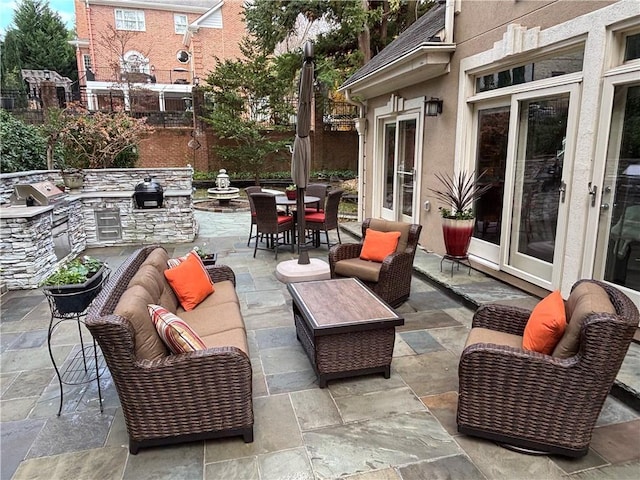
(149, 186)
(39, 193)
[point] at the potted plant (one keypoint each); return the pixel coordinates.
(75, 284)
(290, 191)
(459, 191)
(208, 258)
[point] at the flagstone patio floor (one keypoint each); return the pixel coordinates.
(364, 428)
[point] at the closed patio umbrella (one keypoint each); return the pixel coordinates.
(301, 157)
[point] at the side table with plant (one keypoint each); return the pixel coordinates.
(290, 192)
(208, 258)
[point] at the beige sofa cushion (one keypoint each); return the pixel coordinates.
(486, 335)
(149, 277)
(585, 299)
(389, 226)
(168, 298)
(158, 258)
(133, 306)
(356, 267)
(212, 320)
(236, 337)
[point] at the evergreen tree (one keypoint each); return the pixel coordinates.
(37, 40)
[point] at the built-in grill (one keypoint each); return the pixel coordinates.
(148, 194)
(41, 194)
(36, 194)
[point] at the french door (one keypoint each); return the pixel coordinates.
(399, 150)
(524, 145)
(618, 239)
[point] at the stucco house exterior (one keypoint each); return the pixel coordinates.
(158, 47)
(542, 95)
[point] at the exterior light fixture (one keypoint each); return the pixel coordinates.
(47, 74)
(188, 104)
(432, 107)
(196, 81)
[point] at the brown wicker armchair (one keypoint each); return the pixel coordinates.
(535, 402)
(391, 279)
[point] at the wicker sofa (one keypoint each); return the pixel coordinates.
(169, 398)
(545, 403)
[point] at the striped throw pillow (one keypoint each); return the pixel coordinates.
(174, 331)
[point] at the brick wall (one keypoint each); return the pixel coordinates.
(159, 42)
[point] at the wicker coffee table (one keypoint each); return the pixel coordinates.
(344, 327)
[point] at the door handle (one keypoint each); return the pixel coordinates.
(563, 190)
(604, 206)
(593, 190)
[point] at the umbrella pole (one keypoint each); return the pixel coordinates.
(303, 255)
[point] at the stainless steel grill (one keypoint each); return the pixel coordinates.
(36, 194)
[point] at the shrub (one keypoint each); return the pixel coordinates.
(22, 145)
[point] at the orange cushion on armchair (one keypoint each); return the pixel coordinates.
(377, 245)
(546, 325)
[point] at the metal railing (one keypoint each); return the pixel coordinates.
(119, 76)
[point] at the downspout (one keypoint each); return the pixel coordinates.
(361, 128)
(92, 52)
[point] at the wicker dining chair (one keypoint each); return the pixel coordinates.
(540, 403)
(249, 191)
(391, 279)
(317, 190)
(271, 224)
(325, 220)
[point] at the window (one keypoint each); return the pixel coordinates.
(559, 64)
(86, 60)
(632, 47)
(130, 20)
(180, 23)
(183, 56)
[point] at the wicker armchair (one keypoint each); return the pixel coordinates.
(391, 279)
(271, 224)
(535, 402)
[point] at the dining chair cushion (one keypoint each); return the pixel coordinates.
(390, 226)
(190, 281)
(356, 267)
(585, 299)
(315, 217)
(377, 245)
(175, 332)
(284, 219)
(546, 324)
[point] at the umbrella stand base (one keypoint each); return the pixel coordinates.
(291, 271)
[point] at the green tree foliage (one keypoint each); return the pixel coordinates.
(22, 145)
(248, 94)
(353, 31)
(38, 40)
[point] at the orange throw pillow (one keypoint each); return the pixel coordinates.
(190, 282)
(377, 245)
(546, 325)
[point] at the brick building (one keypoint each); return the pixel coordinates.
(147, 54)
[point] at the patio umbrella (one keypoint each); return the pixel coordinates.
(301, 157)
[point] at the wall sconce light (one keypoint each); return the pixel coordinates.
(196, 81)
(432, 107)
(153, 68)
(47, 74)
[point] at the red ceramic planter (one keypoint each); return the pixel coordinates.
(457, 236)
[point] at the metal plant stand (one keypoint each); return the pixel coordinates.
(87, 364)
(456, 261)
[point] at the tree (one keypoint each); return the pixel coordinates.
(22, 147)
(38, 41)
(247, 94)
(351, 32)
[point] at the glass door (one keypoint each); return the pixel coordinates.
(539, 203)
(618, 242)
(399, 167)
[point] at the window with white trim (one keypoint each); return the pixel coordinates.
(130, 20)
(180, 23)
(86, 60)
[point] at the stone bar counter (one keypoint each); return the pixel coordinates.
(34, 240)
